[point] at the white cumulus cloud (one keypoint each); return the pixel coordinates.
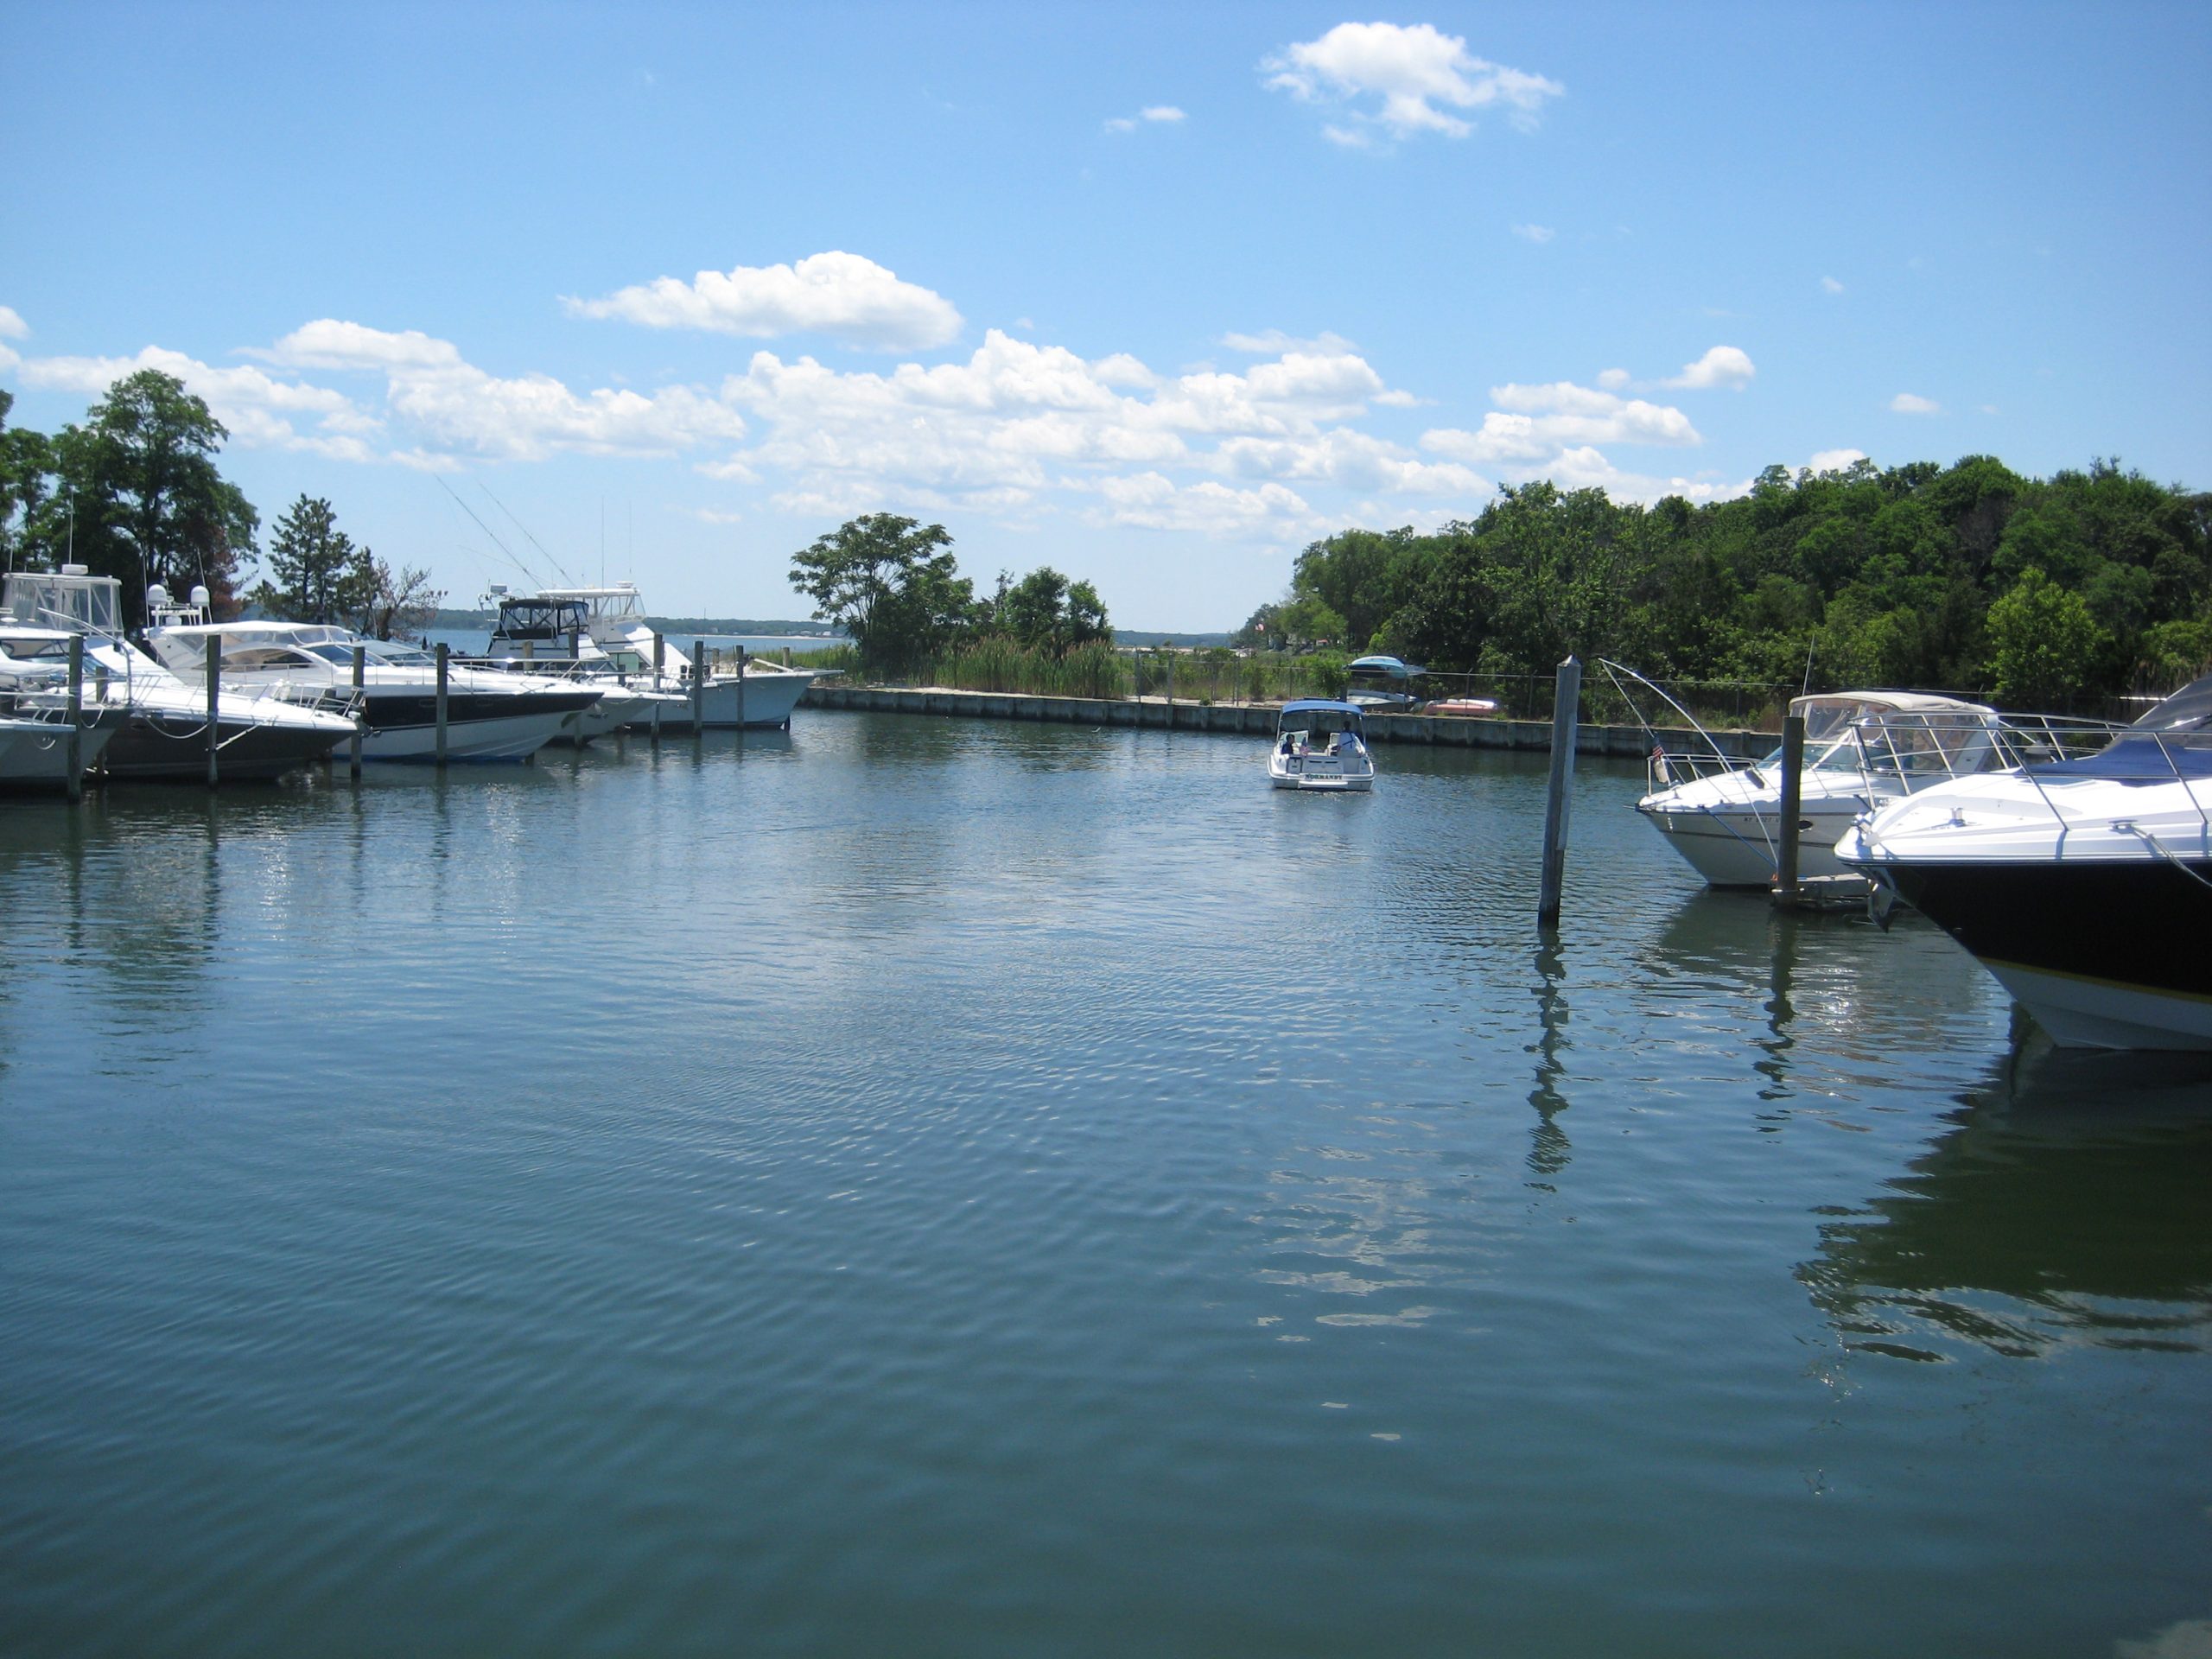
(1165, 114)
(1906, 402)
(428, 385)
(1836, 460)
(841, 295)
(1409, 72)
(1723, 365)
(1538, 234)
(260, 410)
(12, 325)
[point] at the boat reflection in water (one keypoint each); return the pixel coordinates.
(2065, 1208)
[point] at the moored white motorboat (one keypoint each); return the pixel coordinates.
(1321, 745)
(157, 724)
(2084, 885)
(489, 715)
(1862, 750)
(608, 625)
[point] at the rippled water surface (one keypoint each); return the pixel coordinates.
(914, 1186)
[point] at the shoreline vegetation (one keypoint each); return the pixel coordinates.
(2073, 593)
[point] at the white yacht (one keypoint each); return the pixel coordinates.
(613, 621)
(1321, 745)
(1863, 749)
(2084, 885)
(489, 715)
(158, 724)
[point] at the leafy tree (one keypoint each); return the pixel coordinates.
(2041, 634)
(150, 504)
(1046, 612)
(26, 485)
(889, 583)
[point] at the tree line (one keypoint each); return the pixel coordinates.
(135, 492)
(889, 583)
(2039, 593)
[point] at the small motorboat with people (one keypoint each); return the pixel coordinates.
(158, 724)
(2084, 884)
(1321, 745)
(489, 715)
(1863, 749)
(607, 629)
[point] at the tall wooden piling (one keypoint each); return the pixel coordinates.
(1565, 718)
(1793, 786)
(698, 687)
(76, 785)
(657, 687)
(360, 704)
(215, 705)
(444, 672)
(742, 655)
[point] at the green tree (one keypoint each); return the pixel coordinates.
(2043, 640)
(315, 572)
(387, 605)
(150, 504)
(1046, 612)
(889, 583)
(26, 485)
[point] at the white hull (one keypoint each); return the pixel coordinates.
(514, 737)
(35, 755)
(2080, 1013)
(769, 699)
(1739, 849)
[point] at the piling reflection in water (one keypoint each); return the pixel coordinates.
(2067, 1207)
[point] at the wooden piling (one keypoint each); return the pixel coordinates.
(443, 652)
(1793, 785)
(360, 703)
(657, 688)
(1565, 718)
(698, 687)
(742, 655)
(215, 705)
(76, 785)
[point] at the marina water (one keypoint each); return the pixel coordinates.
(924, 1187)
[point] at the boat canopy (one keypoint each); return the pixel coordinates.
(1383, 667)
(541, 617)
(1321, 715)
(70, 600)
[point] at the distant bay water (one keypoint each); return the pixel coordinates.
(917, 1186)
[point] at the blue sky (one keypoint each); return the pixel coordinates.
(1154, 295)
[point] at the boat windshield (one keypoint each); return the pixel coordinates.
(79, 603)
(1894, 745)
(541, 618)
(334, 653)
(407, 655)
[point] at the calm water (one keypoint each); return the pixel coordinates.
(923, 1187)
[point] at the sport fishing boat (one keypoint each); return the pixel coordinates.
(1321, 745)
(539, 635)
(612, 621)
(156, 723)
(2084, 885)
(489, 715)
(1863, 749)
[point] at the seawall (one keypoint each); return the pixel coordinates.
(1258, 718)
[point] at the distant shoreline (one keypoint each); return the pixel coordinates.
(464, 619)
